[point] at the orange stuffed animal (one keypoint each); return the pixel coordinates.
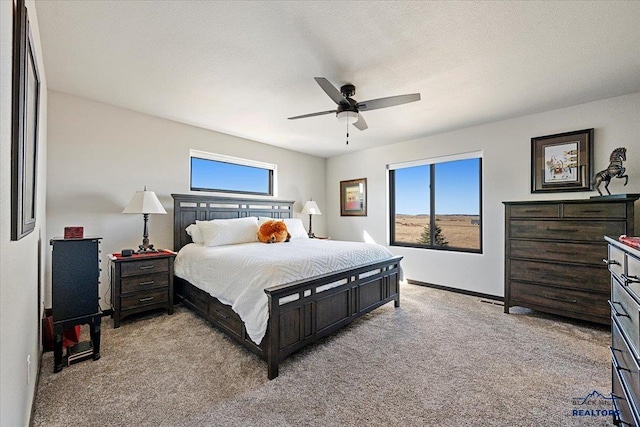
(273, 232)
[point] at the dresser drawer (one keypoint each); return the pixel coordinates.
(197, 298)
(141, 299)
(616, 261)
(627, 313)
(626, 415)
(132, 268)
(589, 253)
(586, 304)
(570, 230)
(535, 211)
(633, 275)
(570, 276)
(142, 283)
(595, 210)
(624, 361)
(226, 317)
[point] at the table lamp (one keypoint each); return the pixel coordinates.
(145, 203)
(311, 208)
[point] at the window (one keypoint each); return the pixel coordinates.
(437, 204)
(215, 172)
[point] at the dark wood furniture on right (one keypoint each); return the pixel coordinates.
(554, 251)
(141, 282)
(75, 275)
(295, 324)
(624, 265)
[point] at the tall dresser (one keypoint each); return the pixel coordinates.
(75, 276)
(624, 265)
(554, 253)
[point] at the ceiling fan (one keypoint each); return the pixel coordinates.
(349, 109)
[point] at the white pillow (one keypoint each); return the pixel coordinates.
(220, 232)
(296, 228)
(194, 232)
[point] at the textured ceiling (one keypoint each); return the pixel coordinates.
(242, 68)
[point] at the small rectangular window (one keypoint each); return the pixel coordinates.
(437, 204)
(218, 173)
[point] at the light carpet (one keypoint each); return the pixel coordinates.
(440, 359)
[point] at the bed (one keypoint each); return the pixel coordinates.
(299, 312)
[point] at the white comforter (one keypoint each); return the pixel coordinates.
(238, 274)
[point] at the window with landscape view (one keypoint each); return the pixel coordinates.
(218, 173)
(437, 205)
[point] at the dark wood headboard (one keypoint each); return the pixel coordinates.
(187, 208)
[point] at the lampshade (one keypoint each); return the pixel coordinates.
(348, 116)
(311, 208)
(144, 202)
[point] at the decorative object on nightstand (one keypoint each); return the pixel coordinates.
(141, 282)
(145, 203)
(311, 208)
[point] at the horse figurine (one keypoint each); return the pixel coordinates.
(615, 170)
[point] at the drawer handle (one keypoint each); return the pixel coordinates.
(563, 230)
(224, 316)
(592, 211)
(610, 261)
(147, 267)
(150, 282)
(533, 210)
(630, 279)
(573, 301)
(620, 368)
(145, 299)
(616, 312)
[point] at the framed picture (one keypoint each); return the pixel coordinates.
(562, 162)
(24, 131)
(353, 197)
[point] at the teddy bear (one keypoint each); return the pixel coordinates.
(273, 232)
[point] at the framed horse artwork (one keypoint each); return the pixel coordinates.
(562, 162)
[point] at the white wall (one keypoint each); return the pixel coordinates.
(506, 177)
(19, 261)
(100, 155)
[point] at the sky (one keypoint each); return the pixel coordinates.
(457, 188)
(217, 175)
(456, 184)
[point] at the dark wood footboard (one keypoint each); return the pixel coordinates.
(302, 312)
(314, 314)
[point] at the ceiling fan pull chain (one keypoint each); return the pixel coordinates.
(347, 133)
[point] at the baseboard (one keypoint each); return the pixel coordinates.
(457, 291)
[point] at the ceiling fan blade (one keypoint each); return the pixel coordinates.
(331, 90)
(321, 113)
(374, 104)
(360, 123)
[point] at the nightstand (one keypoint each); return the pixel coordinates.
(140, 283)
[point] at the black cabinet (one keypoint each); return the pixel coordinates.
(75, 275)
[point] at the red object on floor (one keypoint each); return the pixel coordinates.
(70, 336)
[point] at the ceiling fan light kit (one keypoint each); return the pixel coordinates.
(347, 116)
(348, 109)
